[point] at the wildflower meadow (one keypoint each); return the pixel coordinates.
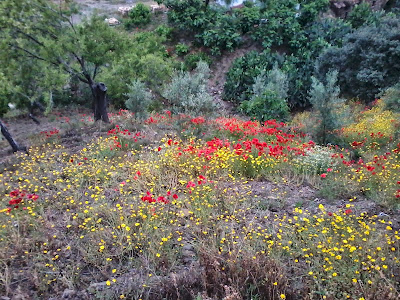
(176, 207)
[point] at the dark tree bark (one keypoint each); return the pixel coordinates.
(14, 145)
(99, 91)
(31, 114)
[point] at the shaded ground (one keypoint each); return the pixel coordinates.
(28, 133)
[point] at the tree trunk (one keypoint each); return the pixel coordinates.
(99, 91)
(14, 145)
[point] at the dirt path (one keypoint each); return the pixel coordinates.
(219, 69)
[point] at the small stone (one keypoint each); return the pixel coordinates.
(68, 294)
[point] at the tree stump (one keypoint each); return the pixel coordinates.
(100, 102)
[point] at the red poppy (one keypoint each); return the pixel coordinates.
(14, 193)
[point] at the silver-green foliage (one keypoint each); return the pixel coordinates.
(391, 98)
(277, 81)
(270, 91)
(139, 98)
(187, 92)
(316, 160)
(327, 106)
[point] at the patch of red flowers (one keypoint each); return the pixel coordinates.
(18, 198)
(149, 197)
(50, 133)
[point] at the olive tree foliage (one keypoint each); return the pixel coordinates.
(369, 60)
(145, 60)
(391, 98)
(327, 106)
(187, 92)
(269, 99)
(42, 49)
(139, 99)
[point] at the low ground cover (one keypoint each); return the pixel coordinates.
(179, 207)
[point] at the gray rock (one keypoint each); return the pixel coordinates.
(68, 294)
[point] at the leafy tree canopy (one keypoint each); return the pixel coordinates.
(368, 61)
(42, 48)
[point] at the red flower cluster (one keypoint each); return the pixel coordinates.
(18, 197)
(161, 199)
(124, 134)
(50, 133)
(198, 120)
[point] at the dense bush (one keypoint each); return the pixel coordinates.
(299, 64)
(191, 60)
(164, 31)
(243, 72)
(212, 27)
(248, 17)
(285, 20)
(362, 14)
(187, 92)
(326, 107)
(188, 15)
(146, 61)
(181, 49)
(269, 97)
(267, 106)
(139, 15)
(221, 34)
(369, 60)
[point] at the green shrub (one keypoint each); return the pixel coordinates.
(368, 61)
(181, 49)
(187, 92)
(265, 107)
(164, 31)
(220, 34)
(285, 23)
(269, 97)
(248, 17)
(193, 59)
(326, 107)
(155, 70)
(188, 15)
(391, 98)
(139, 15)
(243, 72)
(145, 60)
(212, 27)
(362, 14)
(139, 99)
